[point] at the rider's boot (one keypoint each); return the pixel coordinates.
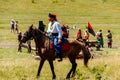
(59, 57)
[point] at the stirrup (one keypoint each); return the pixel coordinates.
(59, 59)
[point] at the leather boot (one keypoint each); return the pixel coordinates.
(59, 57)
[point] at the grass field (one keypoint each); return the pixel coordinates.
(23, 66)
(102, 14)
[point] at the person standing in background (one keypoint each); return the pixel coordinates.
(86, 35)
(12, 25)
(100, 38)
(64, 31)
(79, 35)
(109, 37)
(16, 27)
(19, 41)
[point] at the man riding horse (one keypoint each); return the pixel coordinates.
(42, 44)
(55, 30)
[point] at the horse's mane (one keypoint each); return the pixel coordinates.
(36, 30)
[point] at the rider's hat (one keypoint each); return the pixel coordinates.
(52, 16)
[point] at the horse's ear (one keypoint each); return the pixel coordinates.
(31, 27)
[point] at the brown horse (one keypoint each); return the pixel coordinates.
(42, 45)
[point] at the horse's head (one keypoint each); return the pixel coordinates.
(32, 32)
(28, 34)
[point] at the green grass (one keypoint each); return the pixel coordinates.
(23, 66)
(102, 14)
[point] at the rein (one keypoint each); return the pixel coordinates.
(49, 39)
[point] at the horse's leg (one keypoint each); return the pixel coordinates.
(40, 67)
(74, 65)
(29, 46)
(19, 47)
(52, 68)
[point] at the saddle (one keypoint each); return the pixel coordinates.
(65, 46)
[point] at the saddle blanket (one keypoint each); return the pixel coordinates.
(64, 46)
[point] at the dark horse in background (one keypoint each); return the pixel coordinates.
(42, 45)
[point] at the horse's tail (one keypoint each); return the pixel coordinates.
(86, 53)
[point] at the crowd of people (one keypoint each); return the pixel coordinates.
(14, 29)
(99, 37)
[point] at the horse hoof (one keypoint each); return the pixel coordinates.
(37, 77)
(67, 78)
(54, 78)
(86, 66)
(37, 57)
(73, 75)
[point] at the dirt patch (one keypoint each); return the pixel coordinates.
(8, 45)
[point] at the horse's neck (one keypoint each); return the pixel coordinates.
(40, 41)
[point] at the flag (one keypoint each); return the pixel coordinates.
(90, 29)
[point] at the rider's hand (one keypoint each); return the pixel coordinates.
(44, 33)
(59, 41)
